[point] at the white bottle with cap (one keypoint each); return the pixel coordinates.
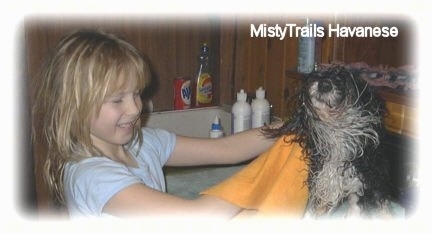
(216, 129)
(260, 109)
(241, 113)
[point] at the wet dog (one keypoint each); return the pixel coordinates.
(338, 122)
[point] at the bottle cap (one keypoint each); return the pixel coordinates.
(216, 124)
(205, 47)
(260, 93)
(241, 96)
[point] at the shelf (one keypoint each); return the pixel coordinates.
(407, 98)
(401, 107)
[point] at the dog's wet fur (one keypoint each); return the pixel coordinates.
(338, 123)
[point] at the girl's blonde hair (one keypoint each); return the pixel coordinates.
(85, 68)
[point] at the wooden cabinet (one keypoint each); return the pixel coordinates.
(401, 116)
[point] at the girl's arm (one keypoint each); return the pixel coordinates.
(139, 200)
(227, 150)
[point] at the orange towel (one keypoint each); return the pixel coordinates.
(272, 184)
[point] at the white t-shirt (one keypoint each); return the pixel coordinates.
(90, 183)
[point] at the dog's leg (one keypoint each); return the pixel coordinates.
(309, 214)
(384, 210)
(354, 209)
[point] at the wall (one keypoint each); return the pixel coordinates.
(172, 45)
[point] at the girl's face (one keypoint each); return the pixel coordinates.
(114, 125)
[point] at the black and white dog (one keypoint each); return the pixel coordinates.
(338, 122)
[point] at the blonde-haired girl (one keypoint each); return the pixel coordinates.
(100, 160)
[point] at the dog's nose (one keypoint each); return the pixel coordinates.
(324, 86)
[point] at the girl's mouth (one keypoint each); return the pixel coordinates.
(126, 125)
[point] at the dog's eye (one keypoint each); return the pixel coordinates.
(338, 80)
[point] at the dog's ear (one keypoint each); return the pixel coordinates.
(345, 73)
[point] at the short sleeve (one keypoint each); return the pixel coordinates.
(158, 143)
(91, 183)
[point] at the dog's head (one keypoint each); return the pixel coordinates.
(334, 98)
(329, 94)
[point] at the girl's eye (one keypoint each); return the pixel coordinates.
(117, 100)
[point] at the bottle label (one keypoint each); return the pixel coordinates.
(260, 119)
(182, 93)
(186, 93)
(240, 123)
(204, 89)
(306, 55)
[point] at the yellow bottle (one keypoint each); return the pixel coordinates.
(203, 82)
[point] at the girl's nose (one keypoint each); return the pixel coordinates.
(134, 105)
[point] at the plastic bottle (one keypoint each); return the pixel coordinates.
(216, 129)
(260, 109)
(241, 113)
(203, 92)
(306, 53)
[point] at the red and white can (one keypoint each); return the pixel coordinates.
(182, 93)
